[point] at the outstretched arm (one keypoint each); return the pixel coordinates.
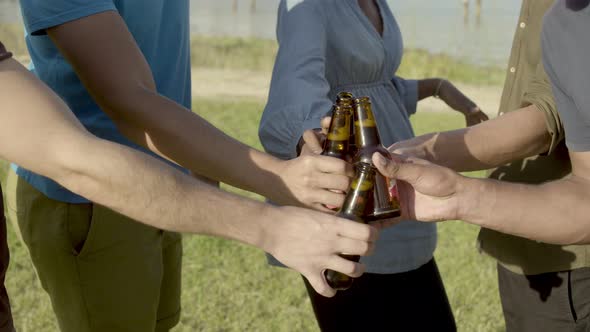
(515, 135)
(555, 212)
(121, 82)
(38, 132)
(531, 130)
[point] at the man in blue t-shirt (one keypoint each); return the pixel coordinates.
(123, 68)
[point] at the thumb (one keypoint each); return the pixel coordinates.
(312, 141)
(396, 168)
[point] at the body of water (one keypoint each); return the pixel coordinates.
(437, 26)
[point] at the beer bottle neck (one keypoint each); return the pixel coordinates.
(367, 136)
(366, 132)
(337, 142)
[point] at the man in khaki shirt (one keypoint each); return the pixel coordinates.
(543, 287)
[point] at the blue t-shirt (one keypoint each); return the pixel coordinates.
(161, 30)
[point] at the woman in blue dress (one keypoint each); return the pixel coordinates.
(329, 46)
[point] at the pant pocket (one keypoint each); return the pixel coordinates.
(80, 227)
(579, 293)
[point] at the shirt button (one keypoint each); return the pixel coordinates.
(513, 70)
(522, 25)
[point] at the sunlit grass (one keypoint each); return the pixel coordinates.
(228, 286)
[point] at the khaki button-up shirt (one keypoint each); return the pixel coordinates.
(527, 84)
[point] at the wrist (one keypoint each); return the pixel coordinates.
(439, 88)
(269, 177)
(269, 227)
(428, 148)
(474, 200)
(469, 110)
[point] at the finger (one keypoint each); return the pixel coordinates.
(399, 147)
(407, 198)
(342, 265)
(355, 247)
(333, 165)
(306, 151)
(322, 208)
(319, 284)
(329, 198)
(312, 141)
(388, 167)
(393, 147)
(356, 231)
(408, 169)
(402, 158)
(406, 151)
(325, 124)
(329, 181)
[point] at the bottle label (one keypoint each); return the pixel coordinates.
(394, 193)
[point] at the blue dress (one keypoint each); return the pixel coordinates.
(328, 46)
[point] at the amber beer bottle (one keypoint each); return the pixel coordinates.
(385, 204)
(355, 208)
(347, 99)
(337, 142)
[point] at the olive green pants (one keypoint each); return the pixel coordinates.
(103, 271)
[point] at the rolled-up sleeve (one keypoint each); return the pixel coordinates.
(408, 90)
(539, 93)
(298, 97)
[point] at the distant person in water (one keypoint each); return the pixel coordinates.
(252, 6)
(466, 10)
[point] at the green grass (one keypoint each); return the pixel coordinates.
(233, 53)
(419, 63)
(228, 286)
(259, 54)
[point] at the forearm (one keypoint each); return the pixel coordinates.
(147, 190)
(125, 89)
(427, 87)
(493, 143)
(36, 125)
(187, 139)
(556, 212)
